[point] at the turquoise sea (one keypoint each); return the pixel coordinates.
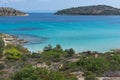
(96, 33)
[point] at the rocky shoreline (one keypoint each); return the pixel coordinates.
(12, 39)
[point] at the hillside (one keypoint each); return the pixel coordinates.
(5, 11)
(55, 63)
(90, 10)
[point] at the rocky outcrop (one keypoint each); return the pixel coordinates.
(90, 10)
(12, 40)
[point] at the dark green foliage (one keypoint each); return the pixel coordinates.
(58, 48)
(36, 55)
(115, 62)
(1, 46)
(47, 48)
(70, 67)
(25, 57)
(30, 73)
(90, 10)
(70, 52)
(2, 66)
(52, 54)
(87, 53)
(96, 65)
(27, 73)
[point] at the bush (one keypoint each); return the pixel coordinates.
(96, 65)
(115, 62)
(30, 73)
(51, 56)
(2, 66)
(35, 55)
(13, 53)
(1, 46)
(70, 52)
(25, 57)
(47, 48)
(18, 47)
(58, 48)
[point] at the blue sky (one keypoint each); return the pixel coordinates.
(53, 5)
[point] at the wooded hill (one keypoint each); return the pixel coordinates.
(90, 10)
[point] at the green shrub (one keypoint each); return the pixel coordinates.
(58, 48)
(96, 65)
(115, 62)
(13, 53)
(70, 52)
(30, 73)
(36, 55)
(47, 48)
(1, 46)
(25, 57)
(2, 66)
(52, 55)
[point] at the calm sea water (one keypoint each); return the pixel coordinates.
(96, 33)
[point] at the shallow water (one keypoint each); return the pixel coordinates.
(96, 33)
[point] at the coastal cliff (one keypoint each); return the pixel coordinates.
(6, 11)
(90, 10)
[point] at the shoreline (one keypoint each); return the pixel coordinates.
(12, 39)
(16, 40)
(25, 15)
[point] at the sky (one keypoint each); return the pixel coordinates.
(53, 5)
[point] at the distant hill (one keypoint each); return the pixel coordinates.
(6, 11)
(90, 10)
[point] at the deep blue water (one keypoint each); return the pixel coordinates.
(96, 33)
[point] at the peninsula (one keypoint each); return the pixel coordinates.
(90, 10)
(6, 11)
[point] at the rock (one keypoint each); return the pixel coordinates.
(12, 40)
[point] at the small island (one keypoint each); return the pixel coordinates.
(6, 11)
(90, 10)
